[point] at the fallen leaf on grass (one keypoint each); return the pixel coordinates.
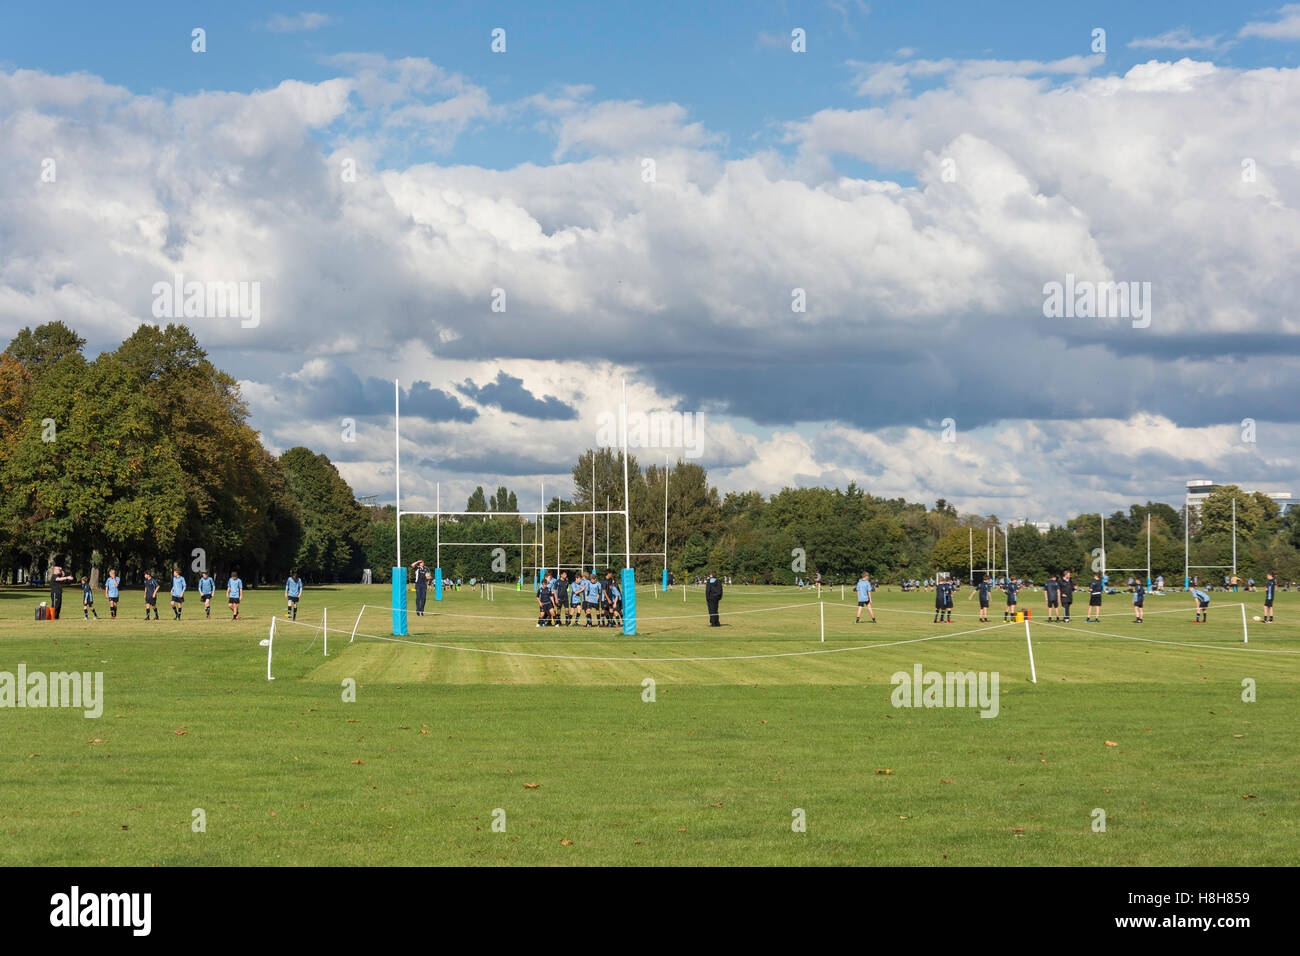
(566, 843)
(884, 771)
(1248, 796)
(1111, 743)
(531, 786)
(945, 781)
(358, 761)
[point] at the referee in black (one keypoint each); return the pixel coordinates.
(57, 579)
(712, 595)
(421, 587)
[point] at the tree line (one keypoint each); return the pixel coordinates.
(839, 533)
(143, 459)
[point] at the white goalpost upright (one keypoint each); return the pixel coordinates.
(990, 554)
(1105, 570)
(1188, 568)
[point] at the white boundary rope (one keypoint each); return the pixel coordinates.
(671, 617)
(681, 660)
(1147, 640)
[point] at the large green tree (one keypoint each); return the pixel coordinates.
(335, 529)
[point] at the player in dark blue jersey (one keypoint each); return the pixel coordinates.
(1095, 591)
(615, 604)
(1009, 613)
(1053, 592)
(943, 601)
(984, 589)
(607, 600)
(1270, 592)
(150, 595)
(87, 599)
(1139, 599)
(545, 601)
(562, 599)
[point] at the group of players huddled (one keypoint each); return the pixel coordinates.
(584, 595)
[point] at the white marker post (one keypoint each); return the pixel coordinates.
(821, 607)
(356, 625)
(324, 628)
(1033, 674)
(1245, 634)
(270, 643)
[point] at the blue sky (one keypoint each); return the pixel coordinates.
(727, 63)
(919, 175)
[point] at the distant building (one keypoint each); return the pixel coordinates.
(1042, 527)
(1200, 488)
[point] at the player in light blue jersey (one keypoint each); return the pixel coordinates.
(207, 587)
(1202, 605)
(234, 591)
(576, 592)
(292, 592)
(178, 593)
(864, 588)
(112, 585)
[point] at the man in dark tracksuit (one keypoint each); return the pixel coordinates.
(712, 595)
(1270, 592)
(1067, 594)
(58, 577)
(421, 587)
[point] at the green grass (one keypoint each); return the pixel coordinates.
(709, 773)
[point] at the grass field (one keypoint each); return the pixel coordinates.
(711, 772)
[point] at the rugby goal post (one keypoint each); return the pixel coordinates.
(628, 577)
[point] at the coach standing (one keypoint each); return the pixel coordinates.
(57, 579)
(421, 588)
(1067, 594)
(712, 595)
